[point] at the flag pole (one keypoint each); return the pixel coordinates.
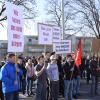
(78, 56)
(45, 48)
(16, 67)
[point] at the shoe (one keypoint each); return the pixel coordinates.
(27, 95)
(32, 93)
(75, 97)
(23, 92)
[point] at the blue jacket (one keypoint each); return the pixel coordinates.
(8, 76)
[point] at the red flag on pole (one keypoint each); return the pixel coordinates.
(78, 55)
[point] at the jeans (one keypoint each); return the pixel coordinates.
(68, 89)
(76, 85)
(54, 90)
(41, 91)
(23, 85)
(94, 85)
(11, 96)
(29, 84)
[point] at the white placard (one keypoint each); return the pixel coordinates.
(56, 34)
(15, 28)
(45, 34)
(63, 47)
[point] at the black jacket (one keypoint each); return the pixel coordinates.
(67, 69)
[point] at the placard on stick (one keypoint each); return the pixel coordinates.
(15, 28)
(44, 34)
(62, 47)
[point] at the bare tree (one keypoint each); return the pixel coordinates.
(27, 5)
(55, 13)
(54, 10)
(90, 14)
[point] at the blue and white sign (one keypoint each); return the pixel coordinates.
(62, 47)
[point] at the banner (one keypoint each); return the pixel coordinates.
(62, 47)
(56, 34)
(45, 33)
(14, 28)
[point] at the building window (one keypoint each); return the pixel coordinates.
(29, 40)
(36, 38)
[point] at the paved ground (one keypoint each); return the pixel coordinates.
(84, 93)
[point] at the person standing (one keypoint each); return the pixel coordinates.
(47, 60)
(30, 73)
(88, 70)
(94, 78)
(41, 79)
(61, 75)
(1, 93)
(23, 76)
(9, 75)
(68, 69)
(53, 74)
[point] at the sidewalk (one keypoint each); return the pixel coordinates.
(84, 93)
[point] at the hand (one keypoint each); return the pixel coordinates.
(23, 77)
(72, 69)
(17, 70)
(45, 63)
(44, 67)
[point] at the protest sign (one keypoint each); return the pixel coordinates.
(44, 34)
(14, 28)
(62, 47)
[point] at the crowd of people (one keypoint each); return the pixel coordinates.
(53, 75)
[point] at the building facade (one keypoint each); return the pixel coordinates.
(32, 48)
(3, 49)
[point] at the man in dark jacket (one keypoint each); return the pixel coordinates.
(88, 70)
(61, 75)
(68, 69)
(93, 67)
(23, 76)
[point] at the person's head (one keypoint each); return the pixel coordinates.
(53, 59)
(69, 57)
(29, 61)
(33, 58)
(20, 61)
(11, 57)
(94, 58)
(53, 53)
(46, 55)
(40, 59)
(59, 58)
(88, 57)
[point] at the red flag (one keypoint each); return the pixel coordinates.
(78, 55)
